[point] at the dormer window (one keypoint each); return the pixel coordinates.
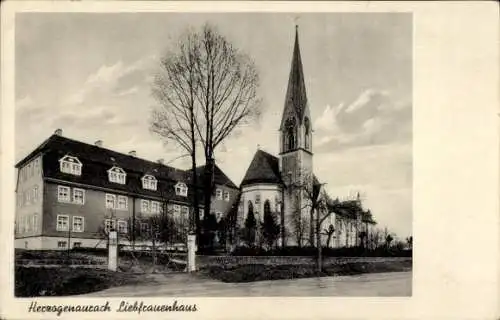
(181, 189)
(117, 175)
(149, 182)
(71, 165)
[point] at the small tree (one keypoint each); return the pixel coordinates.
(329, 233)
(270, 229)
(300, 225)
(222, 231)
(374, 239)
(409, 242)
(399, 245)
(210, 228)
(362, 238)
(157, 230)
(249, 231)
(388, 240)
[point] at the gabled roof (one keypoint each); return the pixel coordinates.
(264, 168)
(220, 178)
(96, 162)
(296, 97)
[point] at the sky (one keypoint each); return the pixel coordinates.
(90, 75)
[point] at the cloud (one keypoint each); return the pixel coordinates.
(129, 91)
(25, 102)
(381, 173)
(111, 81)
(29, 111)
(373, 118)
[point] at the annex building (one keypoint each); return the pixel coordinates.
(70, 193)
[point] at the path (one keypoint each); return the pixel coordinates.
(185, 285)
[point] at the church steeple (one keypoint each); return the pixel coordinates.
(296, 98)
(296, 157)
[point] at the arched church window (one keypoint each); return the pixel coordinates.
(290, 134)
(250, 207)
(307, 133)
(267, 207)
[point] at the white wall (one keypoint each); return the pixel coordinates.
(50, 243)
(269, 192)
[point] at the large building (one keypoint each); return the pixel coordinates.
(279, 182)
(70, 193)
(284, 184)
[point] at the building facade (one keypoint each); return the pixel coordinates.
(282, 181)
(285, 184)
(70, 194)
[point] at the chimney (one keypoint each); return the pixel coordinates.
(132, 153)
(58, 132)
(98, 143)
(161, 161)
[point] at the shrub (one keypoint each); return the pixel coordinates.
(326, 252)
(259, 272)
(34, 282)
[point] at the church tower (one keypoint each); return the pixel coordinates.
(295, 158)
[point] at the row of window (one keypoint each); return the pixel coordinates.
(71, 165)
(257, 199)
(29, 170)
(64, 244)
(219, 194)
(119, 225)
(27, 223)
(30, 223)
(290, 139)
(64, 194)
(257, 202)
(78, 223)
(149, 206)
(113, 201)
(28, 197)
(180, 211)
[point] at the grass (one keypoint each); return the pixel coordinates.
(260, 272)
(64, 281)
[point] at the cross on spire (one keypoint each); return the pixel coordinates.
(296, 20)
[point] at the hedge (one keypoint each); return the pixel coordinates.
(327, 252)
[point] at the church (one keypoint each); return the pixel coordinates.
(280, 183)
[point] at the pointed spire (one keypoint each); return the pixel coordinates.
(296, 97)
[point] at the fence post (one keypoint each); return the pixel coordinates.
(191, 252)
(113, 251)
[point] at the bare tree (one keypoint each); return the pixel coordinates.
(175, 88)
(321, 207)
(299, 224)
(388, 240)
(206, 88)
(329, 234)
(409, 242)
(227, 95)
(368, 221)
(374, 239)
